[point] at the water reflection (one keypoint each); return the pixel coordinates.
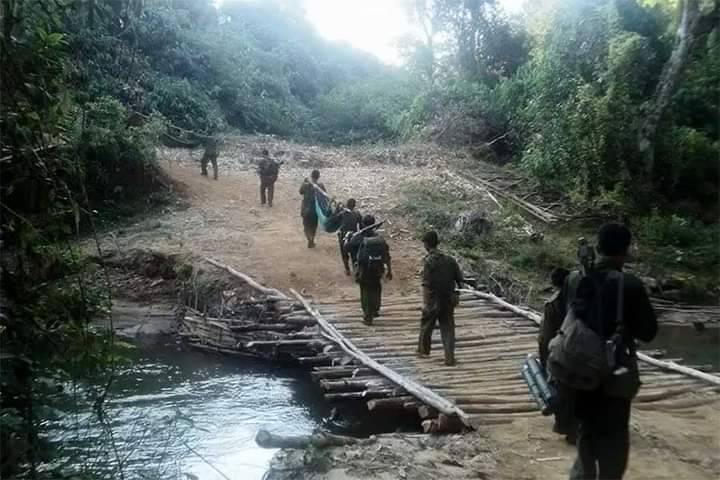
(184, 415)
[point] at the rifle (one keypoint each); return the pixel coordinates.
(543, 393)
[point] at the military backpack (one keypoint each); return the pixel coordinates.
(370, 258)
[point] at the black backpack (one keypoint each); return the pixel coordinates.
(370, 258)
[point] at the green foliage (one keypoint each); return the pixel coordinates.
(672, 240)
(362, 111)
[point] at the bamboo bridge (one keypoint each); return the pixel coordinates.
(377, 365)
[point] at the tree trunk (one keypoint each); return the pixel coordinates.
(692, 24)
(266, 439)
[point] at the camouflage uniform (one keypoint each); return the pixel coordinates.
(268, 170)
(370, 285)
(307, 210)
(349, 223)
(210, 156)
(440, 275)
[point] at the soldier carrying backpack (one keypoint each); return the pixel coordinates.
(372, 256)
(604, 313)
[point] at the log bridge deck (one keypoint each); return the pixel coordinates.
(377, 365)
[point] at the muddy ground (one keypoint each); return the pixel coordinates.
(224, 220)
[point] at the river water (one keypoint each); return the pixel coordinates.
(188, 415)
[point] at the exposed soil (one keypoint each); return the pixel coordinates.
(224, 220)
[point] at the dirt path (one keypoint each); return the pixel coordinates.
(224, 220)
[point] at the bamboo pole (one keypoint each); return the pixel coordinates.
(537, 318)
(426, 395)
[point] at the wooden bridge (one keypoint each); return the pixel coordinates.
(377, 365)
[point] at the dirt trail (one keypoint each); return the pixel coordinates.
(224, 220)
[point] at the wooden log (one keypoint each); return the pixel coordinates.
(281, 343)
(272, 292)
(266, 439)
(340, 372)
(393, 403)
(362, 395)
(344, 385)
(315, 360)
(258, 327)
(424, 394)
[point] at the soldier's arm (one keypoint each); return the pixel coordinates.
(639, 314)
(458, 274)
(304, 187)
(388, 260)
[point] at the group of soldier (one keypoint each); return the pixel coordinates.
(596, 421)
(365, 255)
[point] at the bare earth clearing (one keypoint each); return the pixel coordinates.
(224, 220)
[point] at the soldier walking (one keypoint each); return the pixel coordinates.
(268, 170)
(212, 146)
(307, 207)
(373, 256)
(441, 274)
(585, 255)
(350, 221)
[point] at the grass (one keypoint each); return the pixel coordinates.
(517, 264)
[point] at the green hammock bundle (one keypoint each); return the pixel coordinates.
(329, 220)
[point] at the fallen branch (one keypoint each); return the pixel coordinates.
(245, 278)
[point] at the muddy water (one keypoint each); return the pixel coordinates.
(695, 348)
(188, 415)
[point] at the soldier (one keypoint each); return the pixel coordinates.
(373, 256)
(565, 423)
(212, 145)
(441, 274)
(350, 221)
(268, 170)
(585, 255)
(307, 207)
(604, 413)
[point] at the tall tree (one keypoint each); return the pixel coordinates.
(695, 21)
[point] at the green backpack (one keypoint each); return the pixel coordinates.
(583, 359)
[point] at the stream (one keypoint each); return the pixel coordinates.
(188, 415)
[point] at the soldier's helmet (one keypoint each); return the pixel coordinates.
(368, 220)
(582, 241)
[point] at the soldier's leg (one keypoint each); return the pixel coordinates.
(309, 226)
(271, 193)
(365, 303)
(344, 255)
(612, 451)
(585, 467)
(427, 324)
(377, 298)
(446, 319)
(203, 165)
(263, 186)
(215, 167)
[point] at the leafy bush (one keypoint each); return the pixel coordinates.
(668, 240)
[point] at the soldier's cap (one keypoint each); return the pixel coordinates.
(368, 220)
